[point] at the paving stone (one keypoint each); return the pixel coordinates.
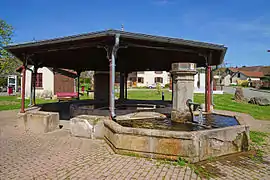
(57, 155)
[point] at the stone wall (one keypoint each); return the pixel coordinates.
(193, 146)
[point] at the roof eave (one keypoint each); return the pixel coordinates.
(123, 34)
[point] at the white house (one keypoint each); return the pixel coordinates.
(145, 78)
(246, 75)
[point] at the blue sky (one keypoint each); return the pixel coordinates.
(242, 25)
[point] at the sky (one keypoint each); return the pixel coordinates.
(241, 25)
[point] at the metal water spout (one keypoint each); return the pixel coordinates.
(189, 103)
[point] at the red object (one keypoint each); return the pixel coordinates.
(82, 88)
(67, 94)
(23, 89)
(10, 90)
(208, 89)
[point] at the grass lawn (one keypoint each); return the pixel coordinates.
(12, 102)
(222, 102)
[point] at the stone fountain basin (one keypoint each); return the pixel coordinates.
(193, 146)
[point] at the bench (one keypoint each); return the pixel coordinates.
(66, 96)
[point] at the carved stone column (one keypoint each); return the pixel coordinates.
(183, 86)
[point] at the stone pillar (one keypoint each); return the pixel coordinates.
(101, 86)
(183, 86)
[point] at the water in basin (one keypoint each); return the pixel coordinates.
(217, 121)
(209, 121)
(166, 124)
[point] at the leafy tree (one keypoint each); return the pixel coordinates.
(8, 63)
(3, 81)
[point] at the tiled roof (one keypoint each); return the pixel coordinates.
(252, 74)
(264, 69)
(233, 69)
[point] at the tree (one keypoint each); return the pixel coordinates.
(8, 63)
(88, 77)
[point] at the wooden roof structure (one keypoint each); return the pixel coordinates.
(137, 52)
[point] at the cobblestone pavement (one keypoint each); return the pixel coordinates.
(57, 155)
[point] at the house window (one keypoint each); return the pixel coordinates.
(158, 72)
(238, 75)
(158, 80)
(140, 72)
(140, 79)
(39, 80)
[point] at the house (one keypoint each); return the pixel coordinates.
(246, 75)
(146, 78)
(230, 76)
(49, 82)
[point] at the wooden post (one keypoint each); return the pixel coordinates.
(205, 91)
(126, 91)
(209, 91)
(34, 84)
(78, 86)
(122, 86)
(23, 89)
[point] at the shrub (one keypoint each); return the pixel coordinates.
(244, 83)
(167, 85)
(158, 88)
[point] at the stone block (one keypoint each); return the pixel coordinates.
(223, 141)
(180, 116)
(81, 128)
(88, 126)
(39, 121)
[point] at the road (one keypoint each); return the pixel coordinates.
(248, 92)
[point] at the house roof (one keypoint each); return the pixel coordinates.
(66, 72)
(252, 74)
(139, 52)
(19, 69)
(264, 69)
(233, 69)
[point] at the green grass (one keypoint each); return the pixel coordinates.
(222, 102)
(13, 102)
(257, 137)
(148, 95)
(225, 102)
